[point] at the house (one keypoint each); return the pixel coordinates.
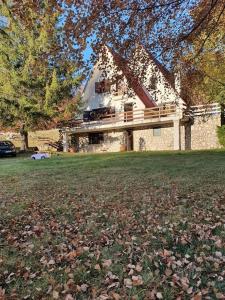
(125, 113)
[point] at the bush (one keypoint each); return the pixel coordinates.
(221, 135)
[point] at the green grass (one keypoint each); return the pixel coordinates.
(125, 207)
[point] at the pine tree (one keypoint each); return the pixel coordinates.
(37, 74)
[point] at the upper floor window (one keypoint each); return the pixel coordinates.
(102, 86)
(153, 82)
(118, 87)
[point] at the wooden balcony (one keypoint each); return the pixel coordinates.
(129, 119)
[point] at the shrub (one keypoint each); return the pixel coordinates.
(221, 135)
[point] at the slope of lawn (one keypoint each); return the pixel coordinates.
(113, 226)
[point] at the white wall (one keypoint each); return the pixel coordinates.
(163, 94)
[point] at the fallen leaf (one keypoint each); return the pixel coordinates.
(107, 263)
(115, 296)
(159, 295)
(69, 297)
(55, 294)
(128, 283)
(137, 280)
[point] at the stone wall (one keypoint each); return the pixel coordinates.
(204, 132)
(201, 134)
(40, 138)
(112, 142)
(144, 139)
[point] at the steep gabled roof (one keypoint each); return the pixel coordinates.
(133, 81)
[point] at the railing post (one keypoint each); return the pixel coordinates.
(65, 142)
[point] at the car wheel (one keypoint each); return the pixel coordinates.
(33, 158)
(43, 157)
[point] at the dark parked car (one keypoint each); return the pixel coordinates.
(7, 148)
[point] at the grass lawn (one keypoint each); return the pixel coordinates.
(113, 226)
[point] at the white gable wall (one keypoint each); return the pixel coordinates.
(164, 92)
(94, 100)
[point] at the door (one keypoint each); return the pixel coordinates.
(128, 112)
(129, 140)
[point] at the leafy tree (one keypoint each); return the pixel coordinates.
(162, 26)
(205, 60)
(38, 75)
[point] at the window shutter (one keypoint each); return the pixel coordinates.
(97, 87)
(106, 86)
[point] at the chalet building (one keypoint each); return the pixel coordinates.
(124, 113)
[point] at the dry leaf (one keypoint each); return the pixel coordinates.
(138, 268)
(137, 280)
(159, 295)
(128, 283)
(69, 297)
(97, 267)
(107, 263)
(55, 294)
(115, 296)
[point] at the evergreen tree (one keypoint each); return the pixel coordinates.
(38, 75)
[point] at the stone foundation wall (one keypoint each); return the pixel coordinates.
(112, 143)
(40, 138)
(204, 132)
(144, 139)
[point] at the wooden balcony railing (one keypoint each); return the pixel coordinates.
(134, 116)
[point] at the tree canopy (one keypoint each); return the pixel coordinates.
(170, 29)
(38, 75)
(205, 60)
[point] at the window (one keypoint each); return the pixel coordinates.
(102, 87)
(95, 138)
(153, 82)
(118, 87)
(157, 131)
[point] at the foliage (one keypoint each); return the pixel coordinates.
(110, 229)
(221, 135)
(205, 59)
(162, 26)
(38, 75)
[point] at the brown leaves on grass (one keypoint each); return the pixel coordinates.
(110, 250)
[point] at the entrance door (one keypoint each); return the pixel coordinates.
(128, 112)
(129, 140)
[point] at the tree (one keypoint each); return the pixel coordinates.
(205, 60)
(163, 27)
(38, 75)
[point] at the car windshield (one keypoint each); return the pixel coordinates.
(5, 143)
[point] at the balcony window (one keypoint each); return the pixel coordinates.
(102, 87)
(96, 138)
(98, 113)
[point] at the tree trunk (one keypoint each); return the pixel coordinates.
(24, 138)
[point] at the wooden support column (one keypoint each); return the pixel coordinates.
(65, 142)
(176, 127)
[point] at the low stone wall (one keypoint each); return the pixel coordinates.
(112, 143)
(39, 138)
